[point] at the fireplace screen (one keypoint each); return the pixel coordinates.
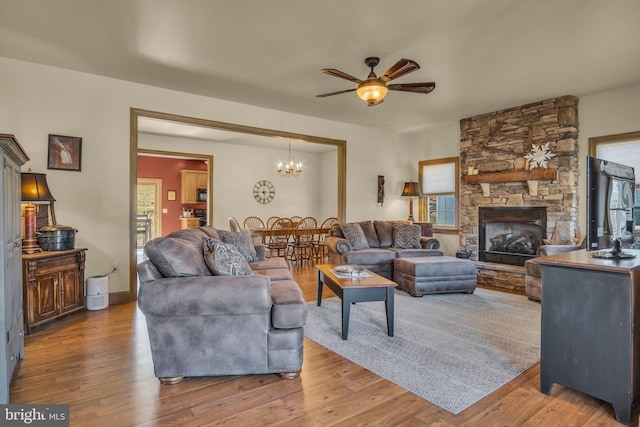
(510, 235)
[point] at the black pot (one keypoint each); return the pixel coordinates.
(56, 237)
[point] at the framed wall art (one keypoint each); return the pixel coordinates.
(64, 153)
(171, 195)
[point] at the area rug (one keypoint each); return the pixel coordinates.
(450, 349)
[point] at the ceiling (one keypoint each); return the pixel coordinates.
(484, 55)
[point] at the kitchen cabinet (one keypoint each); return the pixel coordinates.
(53, 286)
(12, 156)
(191, 181)
(189, 223)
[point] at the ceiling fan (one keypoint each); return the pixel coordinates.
(373, 89)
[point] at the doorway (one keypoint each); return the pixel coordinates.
(135, 114)
(148, 211)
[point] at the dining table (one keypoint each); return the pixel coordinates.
(292, 231)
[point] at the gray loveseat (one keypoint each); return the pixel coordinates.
(533, 277)
(201, 324)
(379, 252)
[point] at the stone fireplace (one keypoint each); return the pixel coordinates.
(495, 173)
(510, 235)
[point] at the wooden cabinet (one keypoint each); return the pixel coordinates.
(53, 286)
(191, 181)
(12, 156)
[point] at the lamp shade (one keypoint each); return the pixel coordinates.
(411, 189)
(35, 189)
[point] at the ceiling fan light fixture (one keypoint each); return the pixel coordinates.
(372, 91)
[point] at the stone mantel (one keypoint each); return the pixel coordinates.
(513, 176)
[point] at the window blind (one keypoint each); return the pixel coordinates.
(439, 179)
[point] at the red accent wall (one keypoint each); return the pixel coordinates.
(168, 170)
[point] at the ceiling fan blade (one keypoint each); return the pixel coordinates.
(335, 93)
(337, 73)
(425, 87)
(402, 67)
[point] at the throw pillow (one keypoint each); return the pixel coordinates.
(242, 241)
(355, 235)
(406, 236)
(224, 259)
(176, 257)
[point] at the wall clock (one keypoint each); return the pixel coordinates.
(264, 191)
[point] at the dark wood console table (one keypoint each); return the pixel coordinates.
(590, 340)
(53, 285)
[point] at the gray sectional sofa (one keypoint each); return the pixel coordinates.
(202, 324)
(383, 245)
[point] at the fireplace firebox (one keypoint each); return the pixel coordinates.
(510, 235)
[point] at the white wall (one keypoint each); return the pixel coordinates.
(607, 113)
(433, 143)
(37, 100)
(328, 185)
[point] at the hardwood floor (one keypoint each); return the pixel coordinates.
(100, 364)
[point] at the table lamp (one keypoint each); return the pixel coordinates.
(34, 189)
(411, 190)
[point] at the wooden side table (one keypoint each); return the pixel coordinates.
(373, 287)
(53, 286)
(427, 228)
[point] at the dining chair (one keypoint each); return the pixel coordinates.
(304, 241)
(279, 236)
(295, 218)
(234, 225)
(253, 222)
(143, 229)
(321, 246)
(271, 220)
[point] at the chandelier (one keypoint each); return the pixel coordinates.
(289, 168)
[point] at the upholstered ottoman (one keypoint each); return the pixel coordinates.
(432, 275)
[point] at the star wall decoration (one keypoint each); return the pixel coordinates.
(539, 156)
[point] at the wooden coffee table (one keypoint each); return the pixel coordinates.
(374, 288)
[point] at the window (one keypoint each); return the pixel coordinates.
(624, 149)
(439, 186)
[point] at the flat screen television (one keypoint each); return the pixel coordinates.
(610, 200)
